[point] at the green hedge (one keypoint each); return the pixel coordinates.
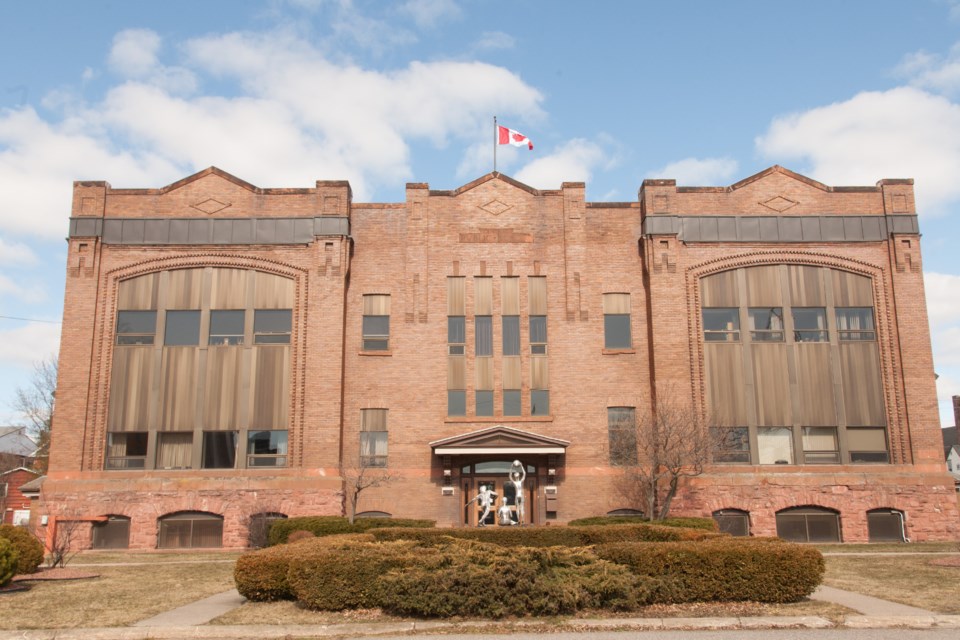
(725, 569)
(28, 547)
(332, 525)
(706, 524)
(548, 536)
(8, 561)
(262, 575)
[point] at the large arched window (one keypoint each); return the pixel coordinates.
(112, 533)
(808, 524)
(190, 530)
(735, 522)
(885, 525)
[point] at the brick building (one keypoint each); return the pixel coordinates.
(231, 352)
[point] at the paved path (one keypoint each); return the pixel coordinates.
(867, 605)
(196, 613)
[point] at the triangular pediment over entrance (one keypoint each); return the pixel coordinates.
(499, 439)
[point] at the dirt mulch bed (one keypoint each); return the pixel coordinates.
(58, 573)
(951, 561)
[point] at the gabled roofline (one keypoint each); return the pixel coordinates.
(783, 171)
(494, 175)
(502, 428)
(9, 471)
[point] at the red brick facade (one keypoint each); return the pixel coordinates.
(653, 253)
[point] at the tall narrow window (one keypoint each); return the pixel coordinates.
(226, 327)
(272, 326)
(511, 335)
(183, 329)
(484, 404)
(376, 323)
(456, 335)
(136, 327)
(538, 335)
(539, 402)
(616, 321)
(856, 323)
(373, 437)
(622, 435)
(483, 335)
(456, 402)
(511, 402)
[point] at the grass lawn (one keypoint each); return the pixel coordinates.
(916, 547)
(121, 595)
(908, 579)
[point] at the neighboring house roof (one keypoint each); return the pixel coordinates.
(955, 450)
(7, 473)
(949, 436)
(33, 486)
(16, 441)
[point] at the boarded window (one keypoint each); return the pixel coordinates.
(622, 435)
(885, 525)
(537, 295)
(616, 321)
(272, 326)
(191, 530)
(483, 296)
(114, 533)
(373, 437)
(182, 329)
(136, 327)
(455, 297)
(808, 524)
(267, 448)
(733, 522)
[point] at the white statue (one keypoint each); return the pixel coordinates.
(505, 514)
(517, 475)
(485, 498)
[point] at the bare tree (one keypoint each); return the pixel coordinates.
(35, 402)
(358, 478)
(657, 450)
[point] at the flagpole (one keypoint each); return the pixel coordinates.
(495, 140)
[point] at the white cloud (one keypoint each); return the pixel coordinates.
(943, 298)
(491, 40)
(572, 162)
(134, 52)
(427, 13)
(699, 171)
(298, 117)
(16, 254)
(23, 346)
(932, 71)
(900, 133)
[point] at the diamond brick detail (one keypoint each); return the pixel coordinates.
(495, 207)
(211, 206)
(779, 204)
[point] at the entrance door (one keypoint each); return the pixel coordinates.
(505, 496)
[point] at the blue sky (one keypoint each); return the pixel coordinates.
(285, 92)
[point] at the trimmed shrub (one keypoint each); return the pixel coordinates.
(548, 536)
(28, 547)
(8, 561)
(706, 524)
(262, 575)
(332, 525)
(299, 535)
(346, 573)
(725, 569)
(469, 578)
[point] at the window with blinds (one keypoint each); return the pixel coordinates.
(616, 321)
(373, 437)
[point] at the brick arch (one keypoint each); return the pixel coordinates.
(888, 341)
(109, 283)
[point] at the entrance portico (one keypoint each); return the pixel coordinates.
(484, 457)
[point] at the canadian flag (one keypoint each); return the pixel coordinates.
(515, 138)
